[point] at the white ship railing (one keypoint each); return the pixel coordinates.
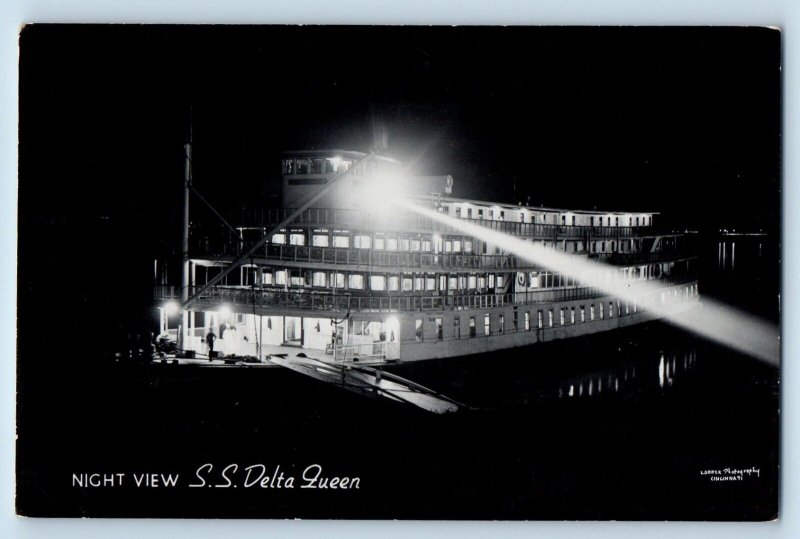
(342, 302)
(327, 217)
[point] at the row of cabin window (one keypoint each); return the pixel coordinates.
(304, 165)
(566, 315)
(500, 328)
(328, 165)
(379, 243)
(601, 220)
(600, 246)
(383, 283)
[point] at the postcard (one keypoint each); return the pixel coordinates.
(399, 272)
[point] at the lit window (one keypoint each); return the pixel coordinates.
(318, 278)
(394, 283)
(426, 245)
(527, 320)
(279, 239)
(430, 283)
(377, 282)
(416, 245)
(302, 166)
(502, 325)
(601, 311)
(550, 318)
(362, 242)
(408, 284)
(583, 314)
(468, 246)
(355, 281)
(486, 324)
(391, 244)
(342, 242)
(561, 316)
(380, 243)
(280, 277)
(591, 312)
(338, 280)
(319, 240)
(452, 283)
(266, 278)
(419, 283)
(404, 244)
(540, 320)
(572, 315)
(472, 282)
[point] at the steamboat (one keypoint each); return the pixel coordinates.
(340, 275)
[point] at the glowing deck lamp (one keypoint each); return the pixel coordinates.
(171, 308)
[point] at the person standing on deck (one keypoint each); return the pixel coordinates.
(210, 338)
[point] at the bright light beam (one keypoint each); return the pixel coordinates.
(714, 320)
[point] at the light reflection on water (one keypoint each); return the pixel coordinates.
(650, 360)
(670, 369)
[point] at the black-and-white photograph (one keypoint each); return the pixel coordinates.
(399, 272)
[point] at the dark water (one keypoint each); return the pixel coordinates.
(617, 426)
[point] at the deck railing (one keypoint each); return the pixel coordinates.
(344, 302)
(350, 218)
(398, 259)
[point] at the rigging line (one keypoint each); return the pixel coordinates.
(221, 218)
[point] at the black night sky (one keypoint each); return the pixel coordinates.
(682, 121)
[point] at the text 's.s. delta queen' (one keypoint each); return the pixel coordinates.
(258, 476)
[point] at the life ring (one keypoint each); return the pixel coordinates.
(520, 278)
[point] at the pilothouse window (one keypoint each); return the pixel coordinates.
(302, 166)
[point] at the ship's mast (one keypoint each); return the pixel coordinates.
(185, 268)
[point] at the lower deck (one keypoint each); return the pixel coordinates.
(378, 337)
